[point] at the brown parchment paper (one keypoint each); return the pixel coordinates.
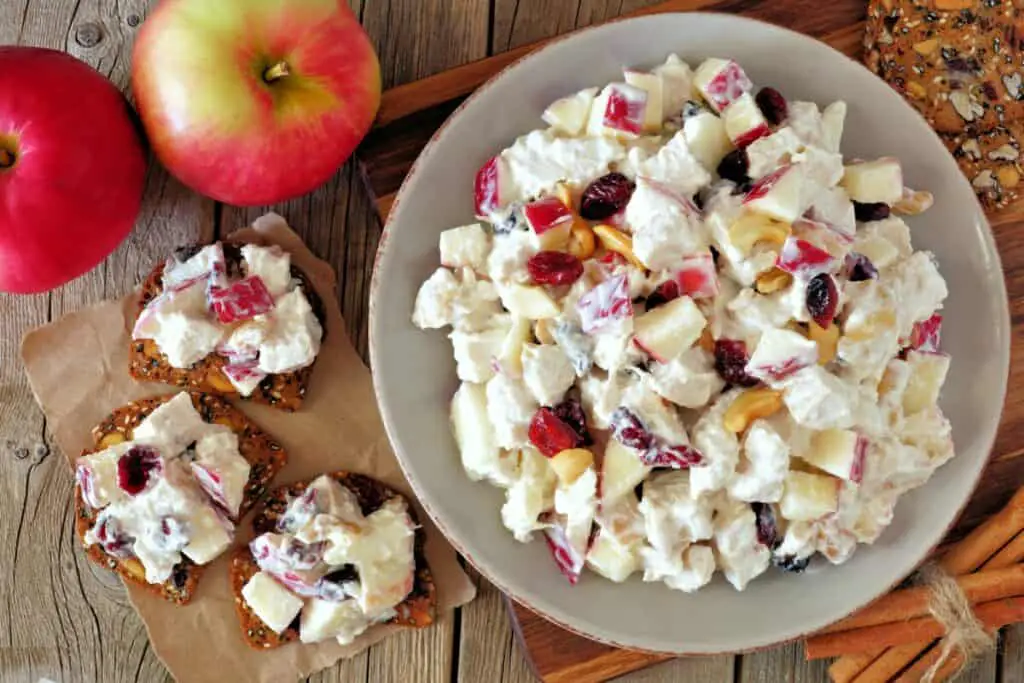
(77, 368)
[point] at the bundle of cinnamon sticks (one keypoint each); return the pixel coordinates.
(897, 637)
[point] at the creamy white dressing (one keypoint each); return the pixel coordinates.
(280, 334)
(855, 425)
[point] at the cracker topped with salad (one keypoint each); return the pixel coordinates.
(159, 493)
(234, 320)
(332, 557)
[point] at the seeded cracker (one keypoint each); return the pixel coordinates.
(256, 446)
(991, 161)
(145, 361)
(418, 608)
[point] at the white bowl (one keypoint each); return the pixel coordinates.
(414, 373)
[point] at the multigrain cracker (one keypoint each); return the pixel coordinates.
(417, 610)
(958, 67)
(285, 391)
(264, 455)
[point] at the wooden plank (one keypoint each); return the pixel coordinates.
(686, 670)
(1012, 660)
(488, 650)
(784, 663)
(67, 619)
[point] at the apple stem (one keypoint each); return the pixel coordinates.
(7, 158)
(275, 72)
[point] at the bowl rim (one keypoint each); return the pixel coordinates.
(1004, 334)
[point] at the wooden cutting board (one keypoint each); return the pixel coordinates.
(411, 113)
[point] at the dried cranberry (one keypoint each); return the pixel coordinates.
(734, 166)
(606, 196)
(665, 292)
(767, 530)
(791, 563)
(859, 267)
(549, 434)
(676, 457)
(630, 431)
(571, 413)
(731, 362)
(822, 299)
(874, 211)
(772, 104)
(554, 268)
(134, 469)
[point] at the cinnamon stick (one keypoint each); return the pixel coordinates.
(913, 633)
(901, 605)
(1012, 553)
(918, 669)
(974, 550)
(845, 669)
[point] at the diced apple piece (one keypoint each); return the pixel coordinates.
(570, 464)
(475, 353)
(525, 301)
(621, 471)
(492, 188)
(621, 109)
(744, 121)
(510, 355)
(676, 85)
(808, 496)
(210, 534)
(721, 82)
(880, 251)
(611, 559)
(465, 247)
(670, 329)
(927, 375)
(839, 452)
(604, 304)
(570, 114)
(780, 353)
(274, 604)
(473, 432)
(323, 619)
(777, 194)
(804, 260)
(550, 221)
(567, 556)
(832, 121)
(874, 181)
(697, 277)
(707, 139)
(652, 85)
(926, 335)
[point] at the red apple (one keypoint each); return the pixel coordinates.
(255, 102)
(550, 220)
(72, 169)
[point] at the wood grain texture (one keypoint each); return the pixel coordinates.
(64, 619)
(413, 111)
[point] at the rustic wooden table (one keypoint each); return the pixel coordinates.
(62, 618)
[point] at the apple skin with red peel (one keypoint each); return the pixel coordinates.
(72, 169)
(254, 102)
